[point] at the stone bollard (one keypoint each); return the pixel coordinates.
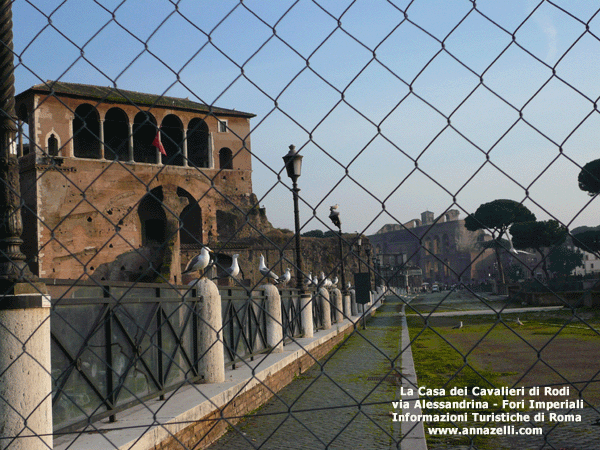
(273, 317)
(210, 347)
(306, 315)
(25, 368)
(325, 308)
(353, 305)
(347, 302)
(338, 303)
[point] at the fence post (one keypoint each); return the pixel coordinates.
(274, 318)
(25, 380)
(210, 347)
(306, 315)
(325, 308)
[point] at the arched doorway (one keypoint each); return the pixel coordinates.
(144, 132)
(197, 143)
(116, 135)
(153, 219)
(171, 131)
(190, 220)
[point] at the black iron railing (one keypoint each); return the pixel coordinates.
(291, 313)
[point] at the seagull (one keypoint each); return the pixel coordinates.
(199, 262)
(308, 279)
(458, 327)
(334, 282)
(265, 271)
(327, 283)
(234, 270)
(315, 280)
(519, 321)
(512, 249)
(287, 276)
(349, 285)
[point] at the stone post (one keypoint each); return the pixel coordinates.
(338, 303)
(347, 302)
(353, 305)
(306, 315)
(25, 380)
(212, 359)
(274, 318)
(325, 308)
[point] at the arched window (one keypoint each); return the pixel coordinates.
(86, 132)
(116, 135)
(144, 132)
(23, 116)
(436, 244)
(171, 131)
(225, 158)
(197, 143)
(52, 145)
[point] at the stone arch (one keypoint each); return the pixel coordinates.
(86, 132)
(152, 217)
(225, 158)
(197, 142)
(190, 220)
(171, 132)
(116, 135)
(144, 132)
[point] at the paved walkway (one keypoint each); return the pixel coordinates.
(342, 403)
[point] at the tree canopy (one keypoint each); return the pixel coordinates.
(589, 177)
(588, 241)
(497, 216)
(564, 261)
(537, 235)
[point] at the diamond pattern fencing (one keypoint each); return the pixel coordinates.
(141, 134)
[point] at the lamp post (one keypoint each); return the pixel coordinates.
(368, 250)
(359, 244)
(335, 218)
(293, 166)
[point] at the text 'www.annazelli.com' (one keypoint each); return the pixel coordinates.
(486, 431)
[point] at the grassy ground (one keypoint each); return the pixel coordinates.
(550, 348)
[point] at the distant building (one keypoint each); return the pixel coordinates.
(441, 247)
(97, 190)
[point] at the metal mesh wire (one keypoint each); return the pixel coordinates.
(400, 105)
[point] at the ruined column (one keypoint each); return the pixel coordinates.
(274, 318)
(210, 347)
(347, 309)
(130, 142)
(102, 155)
(353, 306)
(325, 308)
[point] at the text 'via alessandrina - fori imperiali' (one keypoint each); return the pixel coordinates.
(554, 407)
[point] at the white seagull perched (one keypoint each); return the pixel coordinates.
(265, 271)
(315, 280)
(519, 321)
(308, 279)
(458, 327)
(234, 269)
(512, 248)
(287, 276)
(199, 262)
(334, 282)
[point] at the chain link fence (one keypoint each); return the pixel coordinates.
(145, 206)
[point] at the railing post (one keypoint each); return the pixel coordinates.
(325, 308)
(306, 307)
(212, 360)
(25, 367)
(274, 318)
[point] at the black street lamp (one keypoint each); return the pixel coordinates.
(335, 218)
(293, 166)
(359, 244)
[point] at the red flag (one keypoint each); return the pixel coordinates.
(156, 142)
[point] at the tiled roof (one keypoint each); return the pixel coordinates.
(114, 95)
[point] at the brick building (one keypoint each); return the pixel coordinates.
(441, 247)
(101, 200)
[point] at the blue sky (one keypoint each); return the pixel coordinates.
(390, 121)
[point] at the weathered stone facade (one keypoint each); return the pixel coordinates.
(96, 189)
(442, 247)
